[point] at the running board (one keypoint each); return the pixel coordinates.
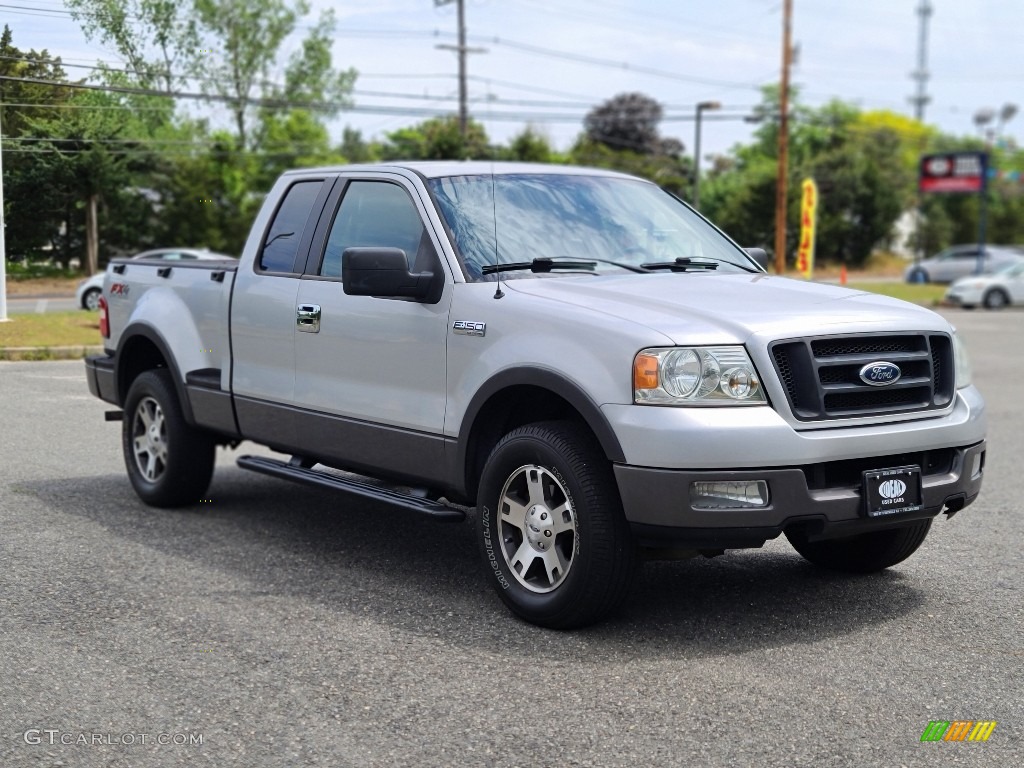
(295, 472)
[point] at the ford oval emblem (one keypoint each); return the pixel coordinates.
(880, 374)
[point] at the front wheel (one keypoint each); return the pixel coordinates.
(996, 299)
(169, 463)
(865, 553)
(555, 543)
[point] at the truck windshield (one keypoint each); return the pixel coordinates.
(621, 224)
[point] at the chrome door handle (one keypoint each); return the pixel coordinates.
(307, 318)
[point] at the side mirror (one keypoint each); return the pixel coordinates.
(382, 272)
(758, 255)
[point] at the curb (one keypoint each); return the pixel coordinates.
(49, 353)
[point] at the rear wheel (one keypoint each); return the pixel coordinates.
(917, 275)
(555, 543)
(866, 553)
(169, 463)
(996, 299)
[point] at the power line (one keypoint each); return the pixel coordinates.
(609, 63)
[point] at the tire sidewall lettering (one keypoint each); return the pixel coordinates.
(485, 522)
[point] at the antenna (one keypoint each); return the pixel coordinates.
(498, 293)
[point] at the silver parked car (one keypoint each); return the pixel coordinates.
(962, 261)
(87, 295)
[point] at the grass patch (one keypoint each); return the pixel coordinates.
(55, 329)
(928, 294)
(43, 286)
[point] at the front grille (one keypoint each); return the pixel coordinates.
(821, 375)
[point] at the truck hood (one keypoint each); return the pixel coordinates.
(709, 308)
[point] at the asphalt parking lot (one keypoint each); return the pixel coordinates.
(284, 626)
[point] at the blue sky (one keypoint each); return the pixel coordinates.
(861, 51)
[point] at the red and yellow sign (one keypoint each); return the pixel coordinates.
(808, 223)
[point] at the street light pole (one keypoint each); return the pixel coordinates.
(701, 107)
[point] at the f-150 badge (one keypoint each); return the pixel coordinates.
(469, 328)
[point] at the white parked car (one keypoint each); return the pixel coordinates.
(995, 291)
(87, 295)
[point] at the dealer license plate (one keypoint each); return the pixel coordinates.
(892, 491)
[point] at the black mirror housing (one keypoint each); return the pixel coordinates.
(383, 272)
(759, 255)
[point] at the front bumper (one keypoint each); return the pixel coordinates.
(823, 499)
(964, 297)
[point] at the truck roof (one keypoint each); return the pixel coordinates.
(433, 169)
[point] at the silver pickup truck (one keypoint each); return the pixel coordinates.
(595, 367)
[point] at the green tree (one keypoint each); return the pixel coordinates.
(530, 146)
(438, 138)
(292, 139)
(246, 36)
(622, 134)
(33, 206)
(355, 149)
(861, 168)
(157, 38)
(93, 155)
(208, 198)
(627, 122)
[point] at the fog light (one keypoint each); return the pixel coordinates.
(744, 494)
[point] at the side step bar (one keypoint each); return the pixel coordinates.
(297, 473)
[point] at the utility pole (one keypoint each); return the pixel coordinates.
(783, 170)
(921, 74)
(462, 50)
(920, 100)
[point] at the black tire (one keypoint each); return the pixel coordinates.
(996, 299)
(866, 553)
(917, 275)
(91, 299)
(153, 414)
(563, 464)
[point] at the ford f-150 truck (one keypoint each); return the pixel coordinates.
(583, 358)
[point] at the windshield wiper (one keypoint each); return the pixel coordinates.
(681, 264)
(622, 265)
(537, 265)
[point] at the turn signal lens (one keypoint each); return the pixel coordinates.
(645, 372)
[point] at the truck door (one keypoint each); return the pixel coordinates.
(263, 311)
(370, 373)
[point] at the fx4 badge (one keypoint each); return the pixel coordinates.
(119, 289)
(469, 328)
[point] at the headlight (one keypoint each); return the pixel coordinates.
(696, 376)
(961, 362)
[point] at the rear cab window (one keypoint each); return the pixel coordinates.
(282, 240)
